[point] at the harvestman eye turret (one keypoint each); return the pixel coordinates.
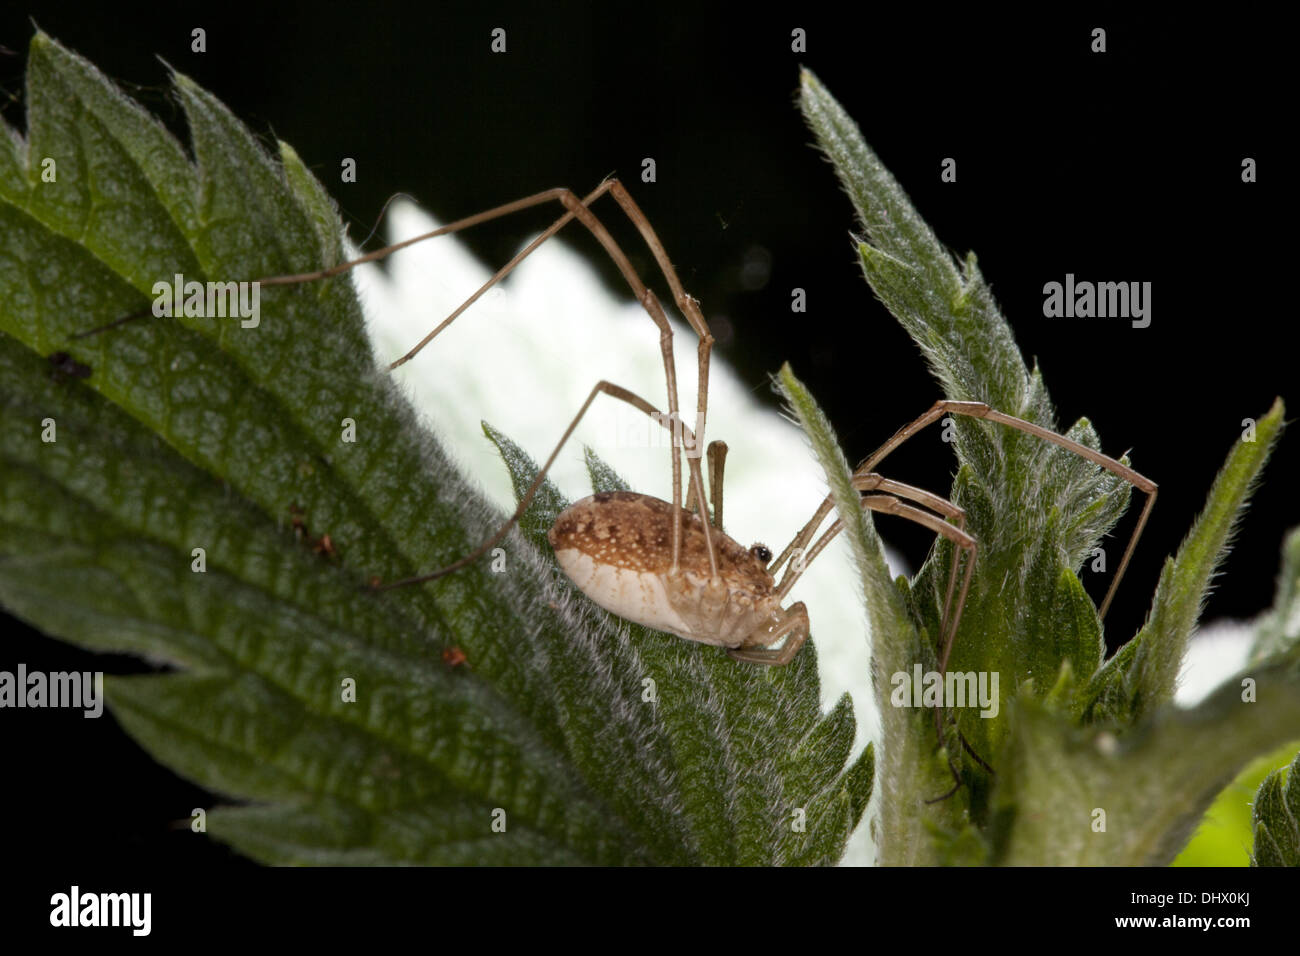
(670, 565)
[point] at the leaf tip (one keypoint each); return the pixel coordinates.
(182, 81)
(787, 380)
(1271, 424)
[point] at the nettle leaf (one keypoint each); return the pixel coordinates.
(1036, 509)
(1143, 676)
(603, 478)
(1086, 797)
(1225, 835)
(178, 506)
(1277, 818)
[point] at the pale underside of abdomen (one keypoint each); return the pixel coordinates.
(641, 597)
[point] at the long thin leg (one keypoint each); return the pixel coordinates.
(608, 388)
(578, 209)
(889, 505)
(980, 410)
(298, 278)
(862, 482)
(930, 500)
(973, 410)
(947, 625)
(687, 304)
(951, 619)
(872, 482)
(927, 498)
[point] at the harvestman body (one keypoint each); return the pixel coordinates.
(616, 547)
(672, 567)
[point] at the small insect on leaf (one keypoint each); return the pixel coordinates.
(65, 367)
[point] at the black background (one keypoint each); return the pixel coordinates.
(1121, 166)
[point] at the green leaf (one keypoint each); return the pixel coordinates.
(1279, 631)
(181, 510)
(858, 782)
(966, 847)
(1277, 818)
(603, 477)
(1153, 784)
(1143, 677)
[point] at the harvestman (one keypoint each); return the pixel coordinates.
(674, 569)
